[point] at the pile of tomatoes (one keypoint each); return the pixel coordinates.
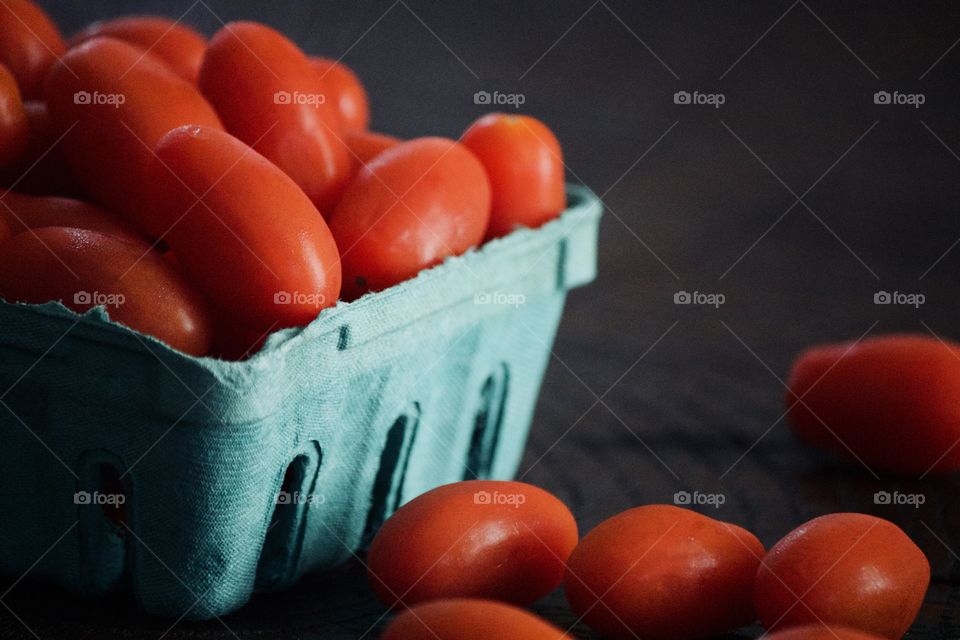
(210, 192)
(460, 561)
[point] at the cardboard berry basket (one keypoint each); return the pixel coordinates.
(195, 482)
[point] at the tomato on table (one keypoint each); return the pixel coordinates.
(29, 44)
(24, 212)
(525, 164)
(470, 619)
(345, 91)
(14, 125)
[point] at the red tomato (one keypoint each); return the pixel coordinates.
(23, 212)
(120, 102)
(269, 96)
(504, 541)
(29, 43)
(254, 243)
(14, 126)
(821, 632)
(42, 168)
(660, 571)
(410, 208)
(845, 569)
(82, 269)
(467, 619)
(525, 165)
(344, 89)
(860, 400)
(175, 43)
(364, 146)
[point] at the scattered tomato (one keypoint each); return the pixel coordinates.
(469, 619)
(660, 571)
(269, 96)
(244, 233)
(14, 125)
(42, 168)
(888, 401)
(821, 632)
(525, 165)
(411, 207)
(175, 43)
(344, 89)
(29, 43)
(115, 103)
(83, 268)
(500, 540)
(846, 569)
(23, 212)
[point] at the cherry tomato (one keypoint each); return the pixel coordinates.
(411, 207)
(469, 619)
(888, 400)
(24, 212)
(254, 243)
(83, 269)
(660, 571)
(14, 125)
(119, 103)
(525, 165)
(269, 96)
(500, 540)
(175, 43)
(42, 168)
(29, 43)
(845, 569)
(821, 632)
(344, 89)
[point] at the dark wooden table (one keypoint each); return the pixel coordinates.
(797, 199)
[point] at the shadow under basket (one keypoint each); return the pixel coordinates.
(195, 482)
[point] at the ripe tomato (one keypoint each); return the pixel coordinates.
(14, 125)
(42, 168)
(408, 209)
(525, 165)
(344, 89)
(269, 96)
(82, 269)
(119, 103)
(468, 619)
(29, 43)
(476, 539)
(845, 569)
(24, 212)
(175, 43)
(364, 146)
(254, 243)
(663, 572)
(821, 632)
(859, 400)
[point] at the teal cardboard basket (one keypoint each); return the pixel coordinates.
(195, 482)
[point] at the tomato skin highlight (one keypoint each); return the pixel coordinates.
(888, 400)
(110, 145)
(345, 91)
(24, 212)
(821, 632)
(269, 96)
(469, 619)
(458, 541)
(178, 45)
(14, 124)
(411, 207)
(29, 44)
(254, 245)
(845, 569)
(525, 164)
(662, 572)
(58, 263)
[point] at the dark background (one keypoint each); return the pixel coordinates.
(643, 397)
